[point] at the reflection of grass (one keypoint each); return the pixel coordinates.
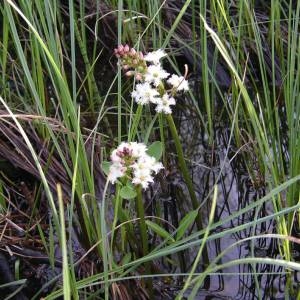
(48, 65)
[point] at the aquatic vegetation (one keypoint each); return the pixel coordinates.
(154, 89)
(165, 168)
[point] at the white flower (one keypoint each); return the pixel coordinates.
(157, 166)
(143, 163)
(149, 163)
(144, 93)
(178, 82)
(115, 157)
(138, 149)
(155, 56)
(155, 73)
(143, 168)
(132, 159)
(164, 104)
(116, 171)
(142, 177)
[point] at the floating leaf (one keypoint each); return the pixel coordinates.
(105, 167)
(155, 150)
(185, 223)
(160, 231)
(128, 191)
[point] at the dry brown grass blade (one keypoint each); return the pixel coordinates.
(14, 150)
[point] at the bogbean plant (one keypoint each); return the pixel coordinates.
(133, 165)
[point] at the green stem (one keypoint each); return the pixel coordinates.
(120, 24)
(141, 215)
(120, 216)
(143, 231)
(184, 169)
(135, 123)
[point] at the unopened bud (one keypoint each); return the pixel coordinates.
(129, 73)
(141, 69)
(138, 76)
(126, 48)
(120, 48)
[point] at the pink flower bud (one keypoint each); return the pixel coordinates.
(125, 67)
(132, 51)
(138, 76)
(141, 55)
(129, 73)
(120, 48)
(126, 48)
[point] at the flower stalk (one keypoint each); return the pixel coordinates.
(144, 235)
(155, 86)
(141, 215)
(158, 87)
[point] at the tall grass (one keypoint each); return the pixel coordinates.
(51, 58)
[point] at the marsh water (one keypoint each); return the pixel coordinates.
(222, 163)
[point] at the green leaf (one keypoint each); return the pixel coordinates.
(160, 231)
(128, 191)
(185, 223)
(155, 150)
(105, 167)
(126, 259)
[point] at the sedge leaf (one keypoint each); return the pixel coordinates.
(160, 231)
(185, 223)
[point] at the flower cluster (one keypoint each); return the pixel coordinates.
(131, 160)
(156, 85)
(132, 61)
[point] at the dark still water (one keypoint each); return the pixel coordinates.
(224, 164)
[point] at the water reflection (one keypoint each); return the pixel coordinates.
(219, 163)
